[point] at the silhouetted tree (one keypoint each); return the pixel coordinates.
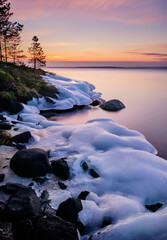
(37, 54)
(4, 21)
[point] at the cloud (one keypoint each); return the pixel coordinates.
(152, 54)
(130, 11)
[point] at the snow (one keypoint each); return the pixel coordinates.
(130, 174)
(71, 93)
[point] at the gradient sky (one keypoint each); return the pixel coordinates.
(115, 32)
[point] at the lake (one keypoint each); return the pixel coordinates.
(143, 91)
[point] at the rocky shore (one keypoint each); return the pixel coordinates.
(92, 181)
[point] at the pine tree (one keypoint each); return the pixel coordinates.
(37, 54)
(4, 21)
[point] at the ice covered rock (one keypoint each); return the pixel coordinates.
(30, 162)
(112, 105)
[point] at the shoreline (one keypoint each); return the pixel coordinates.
(117, 167)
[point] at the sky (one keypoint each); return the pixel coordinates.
(96, 32)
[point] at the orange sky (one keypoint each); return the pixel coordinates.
(96, 30)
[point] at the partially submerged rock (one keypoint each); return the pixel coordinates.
(6, 138)
(30, 163)
(112, 105)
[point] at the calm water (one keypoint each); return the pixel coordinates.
(144, 93)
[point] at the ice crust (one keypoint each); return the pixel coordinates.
(71, 93)
(130, 174)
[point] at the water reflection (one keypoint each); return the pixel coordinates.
(142, 91)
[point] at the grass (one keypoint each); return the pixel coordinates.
(22, 83)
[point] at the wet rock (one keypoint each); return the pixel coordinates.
(22, 137)
(154, 207)
(93, 173)
(61, 168)
(83, 195)
(6, 231)
(45, 197)
(85, 166)
(30, 163)
(49, 227)
(11, 105)
(69, 209)
(105, 223)
(62, 185)
(2, 176)
(23, 202)
(112, 105)
(98, 102)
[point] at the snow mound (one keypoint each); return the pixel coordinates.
(71, 93)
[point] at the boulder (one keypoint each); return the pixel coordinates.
(22, 137)
(62, 185)
(85, 166)
(5, 125)
(112, 105)
(21, 202)
(49, 227)
(6, 138)
(61, 168)
(97, 102)
(30, 163)
(6, 231)
(69, 209)
(154, 207)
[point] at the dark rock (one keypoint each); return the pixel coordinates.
(44, 197)
(6, 231)
(5, 166)
(49, 227)
(19, 118)
(154, 207)
(30, 163)
(49, 100)
(23, 229)
(105, 223)
(20, 146)
(61, 168)
(5, 125)
(112, 105)
(85, 166)
(83, 195)
(23, 202)
(39, 180)
(22, 137)
(11, 105)
(2, 176)
(2, 118)
(69, 209)
(93, 173)
(97, 102)
(62, 185)
(15, 122)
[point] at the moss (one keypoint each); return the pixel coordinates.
(23, 83)
(6, 139)
(6, 81)
(4, 95)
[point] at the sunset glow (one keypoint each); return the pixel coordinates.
(106, 30)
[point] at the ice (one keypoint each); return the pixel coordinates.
(130, 174)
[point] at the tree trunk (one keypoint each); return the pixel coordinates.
(0, 51)
(6, 57)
